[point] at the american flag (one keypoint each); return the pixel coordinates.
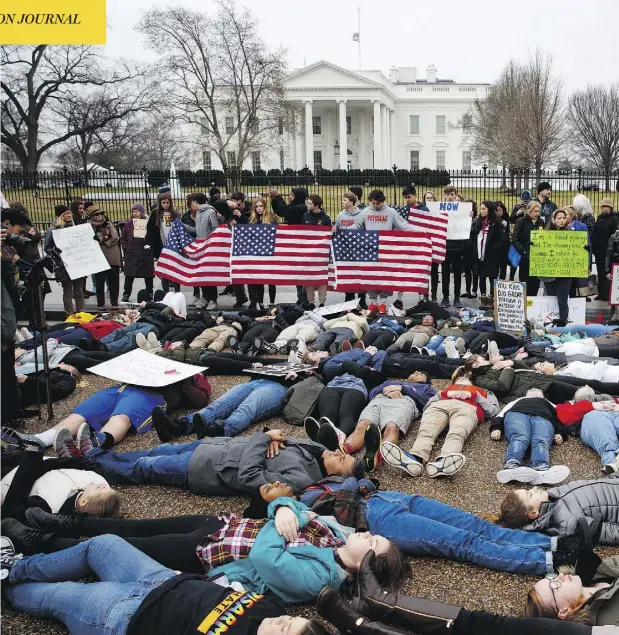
(280, 254)
(196, 263)
(381, 260)
(434, 226)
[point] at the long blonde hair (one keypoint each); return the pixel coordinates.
(268, 216)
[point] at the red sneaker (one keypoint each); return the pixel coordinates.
(382, 308)
(346, 345)
(360, 344)
(373, 307)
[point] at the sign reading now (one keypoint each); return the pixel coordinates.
(40, 22)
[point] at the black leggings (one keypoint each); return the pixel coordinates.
(262, 329)
(483, 287)
(453, 261)
(343, 406)
(234, 364)
(83, 360)
(381, 338)
(170, 541)
(182, 334)
(404, 364)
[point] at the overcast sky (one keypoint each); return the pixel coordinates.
(466, 41)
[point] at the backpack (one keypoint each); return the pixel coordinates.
(301, 400)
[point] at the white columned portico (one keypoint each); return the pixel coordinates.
(377, 135)
(309, 135)
(343, 136)
(361, 141)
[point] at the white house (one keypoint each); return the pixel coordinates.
(362, 119)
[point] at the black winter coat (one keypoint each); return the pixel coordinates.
(489, 266)
(292, 213)
(521, 239)
(322, 218)
(138, 259)
(612, 252)
(61, 385)
(605, 226)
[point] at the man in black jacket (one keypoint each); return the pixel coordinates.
(543, 198)
(605, 226)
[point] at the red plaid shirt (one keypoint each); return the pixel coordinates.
(236, 538)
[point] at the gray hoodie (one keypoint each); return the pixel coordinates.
(206, 221)
(384, 218)
(346, 220)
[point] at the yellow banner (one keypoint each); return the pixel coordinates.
(559, 254)
(52, 22)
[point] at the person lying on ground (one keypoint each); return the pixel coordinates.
(373, 607)
(154, 599)
(383, 331)
(62, 381)
(111, 413)
(59, 353)
(530, 422)
(53, 484)
(348, 327)
(578, 600)
(509, 379)
(556, 511)
(263, 464)
(418, 334)
(458, 408)
(292, 552)
(260, 398)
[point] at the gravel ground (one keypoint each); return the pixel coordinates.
(475, 489)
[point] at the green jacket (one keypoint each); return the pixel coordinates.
(604, 605)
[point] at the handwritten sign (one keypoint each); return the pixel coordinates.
(141, 368)
(460, 219)
(614, 286)
(337, 308)
(543, 309)
(510, 306)
(281, 370)
(139, 227)
(81, 254)
(559, 254)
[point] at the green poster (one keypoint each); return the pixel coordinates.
(559, 254)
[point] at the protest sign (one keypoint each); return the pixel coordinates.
(281, 370)
(332, 309)
(559, 254)
(140, 368)
(139, 227)
(81, 254)
(510, 306)
(614, 286)
(459, 224)
(543, 309)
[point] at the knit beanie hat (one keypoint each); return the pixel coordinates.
(544, 185)
(139, 207)
(59, 210)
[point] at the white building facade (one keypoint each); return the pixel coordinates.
(363, 120)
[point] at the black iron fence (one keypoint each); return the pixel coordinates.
(116, 191)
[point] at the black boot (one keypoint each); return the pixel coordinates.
(332, 607)
(166, 427)
(61, 525)
(26, 539)
(414, 614)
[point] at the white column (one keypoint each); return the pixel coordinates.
(292, 148)
(328, 160)
(385, 139)
(377, 135)
(343, 136)
(389, 157)
(309, 136)
(361, 141)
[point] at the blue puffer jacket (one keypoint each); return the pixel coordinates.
(419, 393)
(294, 574)
(385, 323)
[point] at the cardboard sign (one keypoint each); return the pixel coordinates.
(332, 309)
(559, 254)
(139, 227)
(281, 370)
(81, 254)
(510, 306)
(141, 368)
(460, 218)
(543, 309)
(613, 298)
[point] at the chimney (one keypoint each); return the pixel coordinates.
(408, 75)
(394, 75)
(431, 74)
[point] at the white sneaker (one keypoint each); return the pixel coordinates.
(450, 350)
(460, 345)
(142, 342)
(396, 456)
(395, 311)
(447, 465)
(552, 476)
(493, 349)
(194, 301)
(19, 338)
(211, 306)
(521, 474)
(200, 303)
(153, 341)
(26, 334)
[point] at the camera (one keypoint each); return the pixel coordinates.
(17, 241)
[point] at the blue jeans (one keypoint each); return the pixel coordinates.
(245, 404)
(523, 430)
(440, 349)
(42, 586)
(599, 431)
(435, 342)
(166, 464)
(424, 527)
(123, 340)
(590, 330)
